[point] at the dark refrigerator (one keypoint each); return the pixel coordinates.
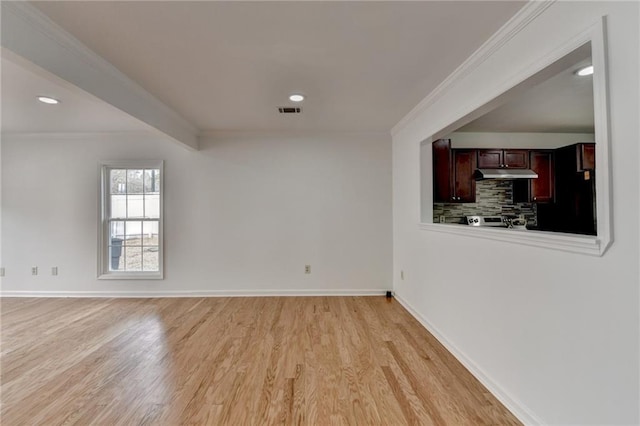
(574, 210)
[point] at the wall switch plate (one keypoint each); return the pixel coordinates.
(307, 269)
(443, 219)
(34, 270)
(54, 270)
(2, 272)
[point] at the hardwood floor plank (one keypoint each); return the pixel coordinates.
(409, 414)
(231, 416)
(298, 409)
(465, 399)
(230, 361)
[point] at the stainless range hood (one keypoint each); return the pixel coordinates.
(505, 174)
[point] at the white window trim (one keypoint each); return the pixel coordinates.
(103, 229)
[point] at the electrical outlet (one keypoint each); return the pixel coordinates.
(402, 275)
(54, 270)
(2, 272)
(34, 270)
(307, 269)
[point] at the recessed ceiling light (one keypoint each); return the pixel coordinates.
(582, 72)
(48, 100)
(296, 97)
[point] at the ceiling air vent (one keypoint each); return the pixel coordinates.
(290, 110)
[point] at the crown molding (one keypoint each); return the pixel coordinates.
(517, 23)
(31, 35)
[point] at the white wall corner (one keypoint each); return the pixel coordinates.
(31, 35)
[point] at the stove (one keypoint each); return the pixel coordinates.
(495, 221)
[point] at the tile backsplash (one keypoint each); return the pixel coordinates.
(493, 198)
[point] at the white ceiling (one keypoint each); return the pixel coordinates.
(228, 65)
(560, 104)
(23, 82)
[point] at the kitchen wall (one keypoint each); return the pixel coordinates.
(494, 197)
(243, 215)
(516, 140)
(555, 334)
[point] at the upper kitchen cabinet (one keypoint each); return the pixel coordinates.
(464, 183)
(489, 158)
(441, 150)
(586, 156)
(503, 158)
(453, 173)
(543, 188)
(516, 158)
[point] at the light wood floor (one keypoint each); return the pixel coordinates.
(293, 360)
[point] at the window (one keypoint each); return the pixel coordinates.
(131, 220)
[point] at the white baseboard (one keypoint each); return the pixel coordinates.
(193, 293)
(516, 407)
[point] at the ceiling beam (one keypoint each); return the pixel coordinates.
(30, 34)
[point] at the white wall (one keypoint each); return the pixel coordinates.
(245, 213)
(555, 334)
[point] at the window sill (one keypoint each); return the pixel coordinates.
(583, 244)
(131, 276)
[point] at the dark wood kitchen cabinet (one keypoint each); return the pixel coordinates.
(489, 158)
(453, 173)
(586, 156)
(441, 150)
(541, 189)
(464, 183)
(503, 158)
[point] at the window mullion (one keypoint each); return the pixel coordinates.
(126, 195)
(144, 215)
(126, 223)
(124, 246)
(106, 219)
